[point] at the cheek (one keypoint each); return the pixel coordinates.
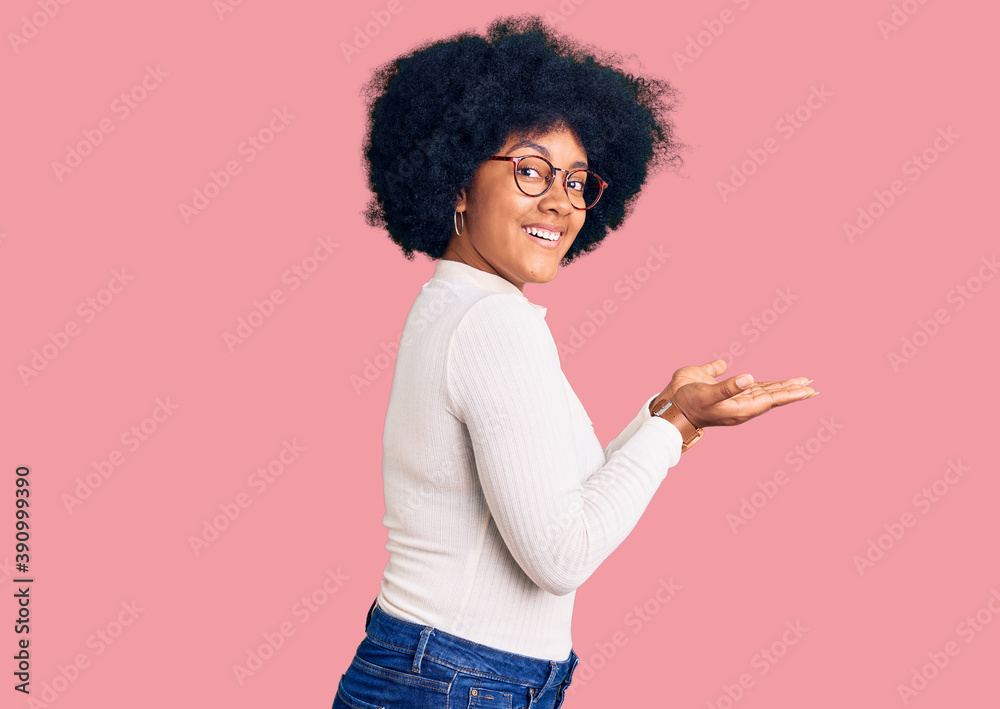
(496, 203)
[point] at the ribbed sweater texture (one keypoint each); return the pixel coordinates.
(500, 500)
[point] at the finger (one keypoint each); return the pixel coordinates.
(759, 390)
(715, 367)
(764, 390)
(793, 382)
(788, 396)
(796, 383)
(729, 388)
(797, 386)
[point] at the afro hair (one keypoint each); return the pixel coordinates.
(436, 113)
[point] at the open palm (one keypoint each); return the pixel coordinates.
(708, 402)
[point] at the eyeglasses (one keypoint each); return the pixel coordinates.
(534, 175)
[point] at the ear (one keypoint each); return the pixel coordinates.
(460, 205)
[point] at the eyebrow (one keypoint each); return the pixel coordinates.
(541, 149)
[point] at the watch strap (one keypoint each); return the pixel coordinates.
(668, 411)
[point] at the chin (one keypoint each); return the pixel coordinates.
(544, 275)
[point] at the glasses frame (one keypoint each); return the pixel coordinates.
(518, 158)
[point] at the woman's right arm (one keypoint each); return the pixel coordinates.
(559, 519)
(630, 429)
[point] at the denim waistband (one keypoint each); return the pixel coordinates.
(465, 655)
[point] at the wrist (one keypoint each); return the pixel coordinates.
(658, 400)
(667, 410)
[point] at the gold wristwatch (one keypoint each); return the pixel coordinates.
(668, 411)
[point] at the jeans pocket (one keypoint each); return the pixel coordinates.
(346, 701)
(394, 688)
(560, 697)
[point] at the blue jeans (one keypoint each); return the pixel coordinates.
(400, 665)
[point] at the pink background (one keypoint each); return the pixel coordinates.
(213, 80)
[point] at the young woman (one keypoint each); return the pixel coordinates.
(503, 157)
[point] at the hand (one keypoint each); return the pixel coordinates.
(704, 374)
(706, 402)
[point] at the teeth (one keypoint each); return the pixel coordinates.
(542, 233)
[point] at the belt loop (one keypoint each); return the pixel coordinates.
(425, 635)
(369, 618)
(572, 662)
(575, 660)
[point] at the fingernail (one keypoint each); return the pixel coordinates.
(808, 383)
(744, 381)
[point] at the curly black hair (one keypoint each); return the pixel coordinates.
(436, 113)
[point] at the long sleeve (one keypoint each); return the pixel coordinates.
(631, 428)
(558, 519)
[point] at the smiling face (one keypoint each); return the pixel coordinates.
(497, 214)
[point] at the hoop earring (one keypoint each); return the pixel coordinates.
(455, 218)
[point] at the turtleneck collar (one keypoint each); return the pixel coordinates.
(458, 272)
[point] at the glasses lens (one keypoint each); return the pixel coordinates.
(533, 175)
(584, 188)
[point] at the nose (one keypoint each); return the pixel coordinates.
(556, 198)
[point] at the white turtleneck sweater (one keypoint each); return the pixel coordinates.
(500, 500)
